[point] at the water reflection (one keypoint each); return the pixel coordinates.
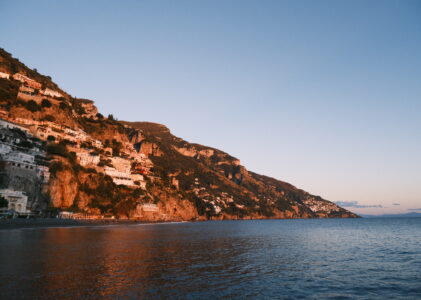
(251, 259)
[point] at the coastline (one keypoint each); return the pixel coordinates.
(53, 222)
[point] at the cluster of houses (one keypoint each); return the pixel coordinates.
(216, 202)
(30, 86)
(16, 155)
(318, 206)
(127, 169)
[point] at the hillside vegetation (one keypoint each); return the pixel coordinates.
(102, 166)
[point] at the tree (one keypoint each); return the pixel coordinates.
(46, 103)
(32, 106)
(111, 117)
(57, 149)
(3, 202)
(51, 138)
(63, 106)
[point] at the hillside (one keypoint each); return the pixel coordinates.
(103, 167)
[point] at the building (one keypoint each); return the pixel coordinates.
(26, 90)
(65, 215)
(26, 80)
(150, 207)
(139, 180)
(9, 125)
(25, 121)
(4, 149)
(119, 177)
(17, 200)
(44, 132)
(51, 93)
(20, 157)
(43, 172)
(4, 75)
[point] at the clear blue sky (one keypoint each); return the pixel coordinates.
(323, 94)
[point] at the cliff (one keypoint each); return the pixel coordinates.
(103, 167)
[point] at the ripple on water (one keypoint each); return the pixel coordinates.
(273, 259)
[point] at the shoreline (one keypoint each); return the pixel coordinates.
(19, 223)
(53, 222)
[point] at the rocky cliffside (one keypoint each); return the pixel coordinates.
(100, 166)
(221, 187)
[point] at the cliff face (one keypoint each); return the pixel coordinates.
(100, 166)
(224, 189)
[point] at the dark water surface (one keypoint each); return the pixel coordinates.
(271, 259)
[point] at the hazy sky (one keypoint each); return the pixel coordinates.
(323, 94)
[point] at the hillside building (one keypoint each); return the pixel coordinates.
(119, 177)
(51, 93)
(26, 90)
(149, 207)
(4, 149)
(27, 81)
(10, 125)
(17, 200)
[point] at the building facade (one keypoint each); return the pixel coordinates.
(26, 80)
(17, 200)
(51, 93)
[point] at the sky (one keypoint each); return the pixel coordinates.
(323, 94)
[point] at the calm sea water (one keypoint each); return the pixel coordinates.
(271, 259)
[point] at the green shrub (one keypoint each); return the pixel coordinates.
(58, 149)
(46, 103)
(32, 106)
(63, 106)
(3, 202)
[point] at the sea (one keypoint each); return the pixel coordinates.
(258, 259)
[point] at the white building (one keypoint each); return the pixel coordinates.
(150, 207)
(26, 89)
(119, 177)
(25, 121)
(20, 157)
(9, 125)
(4, 75)
(65, 215)
(17, 200)
(4, 149)
(26, 80)
(52, 93)
(138, 178)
